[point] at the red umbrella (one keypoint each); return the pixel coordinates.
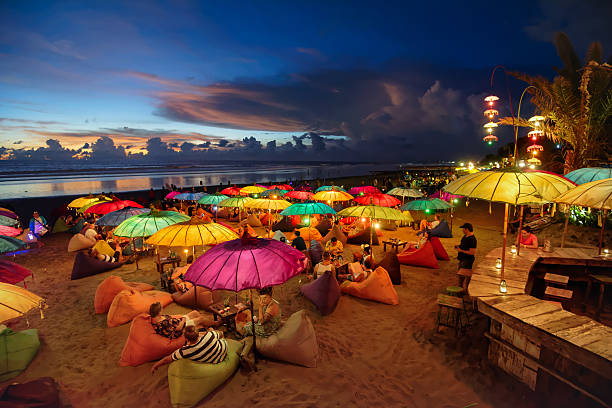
(384, 200)
(105, 208)
(299, 195)
(12, 273)
(231, 191)
(9, 231)
(172, 194)
(362, 190)
(281, 187)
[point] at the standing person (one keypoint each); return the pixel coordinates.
(466, 252)
(38, 226)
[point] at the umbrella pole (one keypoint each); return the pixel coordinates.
(603, 227)
(503, 254)
(253, 329)
(518, 237)
(135, 254)
(451, 218)
(565, 230)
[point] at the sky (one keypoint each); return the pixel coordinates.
(270, 80)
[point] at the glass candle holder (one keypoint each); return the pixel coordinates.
(502, 286)
(498, 263)
(513, 249)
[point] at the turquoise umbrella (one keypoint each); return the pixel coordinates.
(10, 244)
(308, 208)
(327, 188)
(274, 192)
(8, 221)
(189, 196)
(588, 174)
(213, 199)
(114, 218)
(145, 225)
(426, 205)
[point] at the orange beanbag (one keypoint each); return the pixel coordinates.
(438, 248)
(309, 233)
(144, 345)
(424, 256)
(130, 303)
(205, 297)
(108, 289)
(377, 287)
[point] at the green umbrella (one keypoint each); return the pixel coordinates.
(145, 225)
(236, 202)
(10, 244)
(273, 192)
(213, 199)
(327, 188)
(426, 205)
(308, 208)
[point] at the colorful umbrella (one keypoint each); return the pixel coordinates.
(9, 214)
(374, 212)
(195, 232)
(189, 196)
(112, 219)
(327, 188)
(10, 244)
(213, 199)
(145, 225)
(299, 195)
(281, 187)
(332, 195)
(384, 200)
(248, 190)
(9, 231)
(236, 202)
(405, 192)
(231, 191)
(267, 204)
(107, 207)
(426, 205)
(91, 204)
(362, 190)
(13, 273)
(308, 208)
(443, 195)
(589, 174)
(172, 194)
(82, 201)
(8, 222)
(16, 301)
(273, 193)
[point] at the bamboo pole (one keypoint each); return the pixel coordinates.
(564, 230)
(603, 227)
(518, 237)
(503, 254)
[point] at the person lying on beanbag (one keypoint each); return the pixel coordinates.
(172, 327)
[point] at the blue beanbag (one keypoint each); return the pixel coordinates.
(441, 231)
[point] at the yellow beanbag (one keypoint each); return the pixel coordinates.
(130, 303)
(377, 287)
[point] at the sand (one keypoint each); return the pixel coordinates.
(370, 354)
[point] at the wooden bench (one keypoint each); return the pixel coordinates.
(558, 293)
(455, 313)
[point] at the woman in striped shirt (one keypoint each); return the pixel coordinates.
(209, 347)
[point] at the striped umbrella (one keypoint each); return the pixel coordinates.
(9, 214)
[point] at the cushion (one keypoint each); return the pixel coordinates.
(391, 264)
(424, 256)
(85, 265)
(110, 287)
(128, 304)
(283, 225)
(78, 242)
(324, 226)
(205, 298)
(278, 235)
(60, 226)
(295, 342)
(17, 349)
(253, 221)
(315, 252)
(335, 231)
(438, 249)
(43, 392)
(363, 237)
(309, 233)
(144, 345)
(103, 248)
(324, 292)
(377, 287)
(190, 381)
(441, 230)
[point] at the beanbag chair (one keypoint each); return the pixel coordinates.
(103, 248)
(388, 225)
(391, 264)
(324, 226)
(205, 298)
(190, 381)
(278, 235)
(77, 227)
(284, 225)
(363, 237)
(80, 241)
(315, 252)
(438, 249)
(377, 287)
(295, 342)
(424, 256)
(17, 349)
(309, 234)
(224, 212)
(60, 226)
(144, 345)
(324, 292)
(128, 304)
(441, 230)
(335, 231)
(85, 265)
(268, 218)
(110, 287)
(43, 392)
(253, 221)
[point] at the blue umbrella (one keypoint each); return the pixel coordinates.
(112, 219)
(8, 221)
(327, 188)
(10, 244)
(308, 208)
(426, 205)
(588, 174)
(189, 196)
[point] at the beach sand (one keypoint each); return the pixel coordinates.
(370, 354)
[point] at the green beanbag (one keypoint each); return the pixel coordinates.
(190, 381)
(17, 349)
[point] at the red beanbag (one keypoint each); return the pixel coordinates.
(438, 248)
(144, 345)
(130, 303)
(424, 256)
(110, 287)
(377, 287)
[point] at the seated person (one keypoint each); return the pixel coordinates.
(435, 222)
(267, 320)
(324, 266)
(528, 239)
(177, 277)
(117, 257)
(334, 247)
(172, 326)
(298, 242)
(209, 347)
(364, 258)
(89, 231)
(423, 227)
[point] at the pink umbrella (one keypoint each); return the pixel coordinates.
(9, 214)
(444, 195)
(299, 195)
(262, 186)
(172, 194)
(384, 200)
(281, 187)
(12, 273)
(9, 231)
(105, 208)
(362, 190)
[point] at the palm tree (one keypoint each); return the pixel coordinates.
(577, 104)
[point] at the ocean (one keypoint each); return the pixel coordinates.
(28, 180)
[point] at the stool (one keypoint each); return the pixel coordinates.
(553, 293)
(456, 291)
(455, 313)
(558, 280)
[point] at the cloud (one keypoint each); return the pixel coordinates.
(313, 52)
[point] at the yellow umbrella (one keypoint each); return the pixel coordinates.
(82, 201)
(248, 190)
(16, 301)
(92, 203)
(595, 194)
(267, 204)
(332, 195)
(195, 232)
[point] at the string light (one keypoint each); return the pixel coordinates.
(490, 138)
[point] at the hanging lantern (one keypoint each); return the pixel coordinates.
(490, 126)
(491, 113)
(534, 134)
(490, 139)
(490, 100)
(537, 120)
(534, 162)
(534, 149)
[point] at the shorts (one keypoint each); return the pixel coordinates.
(465, 263)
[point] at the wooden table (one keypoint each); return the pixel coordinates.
(394, 244)
(226, 317)
(602, 280)
(175, 262)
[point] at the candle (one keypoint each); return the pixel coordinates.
(502, 286)
(498, 263)
(513, 249)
